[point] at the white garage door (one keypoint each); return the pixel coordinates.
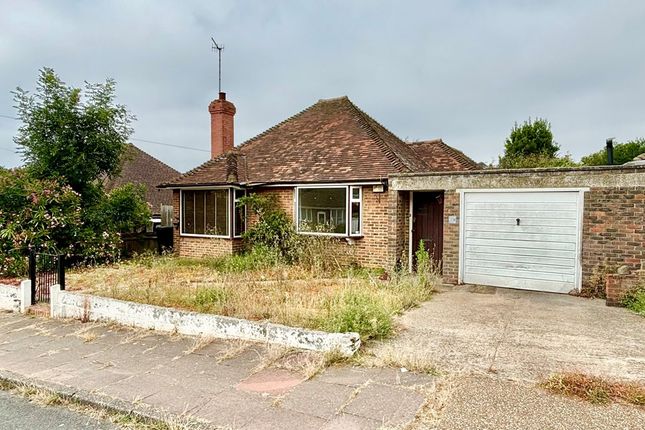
(526, 240)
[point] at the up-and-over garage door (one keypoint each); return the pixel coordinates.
(521, 239)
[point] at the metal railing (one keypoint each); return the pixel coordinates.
(45, 270)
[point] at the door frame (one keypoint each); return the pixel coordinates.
(411, 224)
(581, 205)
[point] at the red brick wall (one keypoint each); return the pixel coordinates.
(613, 229)
(399, 229)
(450, 264)
(616, 286)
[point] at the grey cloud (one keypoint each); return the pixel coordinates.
(463, 70)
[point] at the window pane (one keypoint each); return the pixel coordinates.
(199, 212)
(356, 193)
(240, 214)
(322, 210)
(210, 212)
(221, 212)
(356, 218)
(188, 213)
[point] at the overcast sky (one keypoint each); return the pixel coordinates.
(463, 70)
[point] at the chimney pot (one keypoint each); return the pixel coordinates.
(222, 113)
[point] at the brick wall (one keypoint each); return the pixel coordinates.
(613, 229)
(450, 264)
(616, 286)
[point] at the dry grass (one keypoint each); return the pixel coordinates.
(290, 295)
(390, 356)
(595, 389)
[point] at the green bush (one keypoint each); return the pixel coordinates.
(535, 160)
(126, 209)
(635, 301)
(360, 312)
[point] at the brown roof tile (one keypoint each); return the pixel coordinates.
(330, 141)
(139, 167)
(441, 157)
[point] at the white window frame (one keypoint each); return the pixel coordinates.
(181, 213)
(235, 200)
(348, 208)
(360, 206)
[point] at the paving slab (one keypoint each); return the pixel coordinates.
(284, 419)
(271, 381)
(394, 406)
(318, 398)
(351, 422)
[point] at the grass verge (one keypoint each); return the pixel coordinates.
(239, 286)
(595, 389)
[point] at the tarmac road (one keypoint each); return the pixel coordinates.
(18, 413)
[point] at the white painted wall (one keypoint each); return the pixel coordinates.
(9, 298)
(65, 304)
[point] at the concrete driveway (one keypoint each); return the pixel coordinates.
(522, 335)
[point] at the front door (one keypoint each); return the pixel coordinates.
(427, 224)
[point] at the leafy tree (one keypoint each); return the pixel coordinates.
(536, 160)
(623, 152)
(126, 209)
(72, 136)
(532, 137)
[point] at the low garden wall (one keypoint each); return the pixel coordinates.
(9, 300)
(65, 304)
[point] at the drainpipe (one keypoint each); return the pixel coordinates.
(610, 151)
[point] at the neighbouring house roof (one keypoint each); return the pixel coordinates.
(638, 160)
(139, 167)
(330, 141)
(442, 158)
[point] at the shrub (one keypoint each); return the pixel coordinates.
(126, 209)
(358, 311)
(635, 300)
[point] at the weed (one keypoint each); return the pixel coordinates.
(595, 389)
(635, 300)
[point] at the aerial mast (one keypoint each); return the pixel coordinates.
(219, 49)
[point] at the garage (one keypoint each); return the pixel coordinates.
(525, 239)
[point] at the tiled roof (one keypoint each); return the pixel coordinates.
(330, 141)
(139, 167)
(442, 158)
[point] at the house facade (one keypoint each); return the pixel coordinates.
(328, 167)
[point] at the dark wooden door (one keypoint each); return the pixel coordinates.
(427, 223)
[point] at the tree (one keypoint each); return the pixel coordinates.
(532, 137)
(70, 136)
(536, 160)
(623, 152)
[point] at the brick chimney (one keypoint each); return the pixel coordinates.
(222, 112)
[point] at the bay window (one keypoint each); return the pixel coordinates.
(332, 210)
(239, 213)
(205, 212)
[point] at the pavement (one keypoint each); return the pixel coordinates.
(490, 346)
(521, 335)
(223, 383)
(18, 413)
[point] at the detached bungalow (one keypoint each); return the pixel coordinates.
(328, 166)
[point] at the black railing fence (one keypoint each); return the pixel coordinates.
(45, 270)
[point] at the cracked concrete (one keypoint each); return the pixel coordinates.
(522, 335)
